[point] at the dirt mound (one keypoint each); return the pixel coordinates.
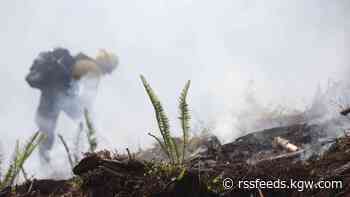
(250, 159)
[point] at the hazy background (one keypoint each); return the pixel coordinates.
(287, 48)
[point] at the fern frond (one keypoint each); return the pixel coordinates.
(162, 119)
(69, 155)
(165, 150)
(20, 156)
(184, 117)
(182, 174)
(176, 150)
(77, 144)
(25, 175)
(91, 132)
(8, 177)
(166, 132)
(32, 144)
(169, 144)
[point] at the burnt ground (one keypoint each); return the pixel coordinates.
(251, 157)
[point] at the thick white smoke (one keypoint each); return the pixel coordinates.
(287, 48)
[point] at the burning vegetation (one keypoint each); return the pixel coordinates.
(199, 165)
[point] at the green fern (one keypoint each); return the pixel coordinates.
(76, 155)
(169, 145)
(162, 120)
(184, 117)
(66, 148)
(20, 156)
(73, 156)
(176, 151)
(162, 145)
(91, 132)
